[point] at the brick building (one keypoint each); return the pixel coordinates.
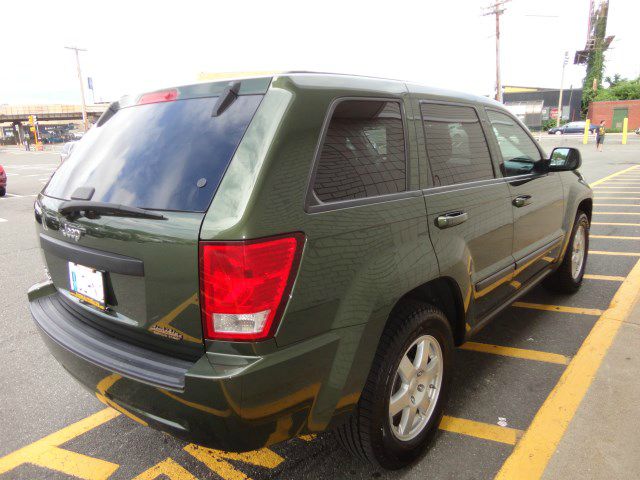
(613, 113)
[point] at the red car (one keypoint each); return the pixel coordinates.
(3, 182)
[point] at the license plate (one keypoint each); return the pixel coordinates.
(87, 284)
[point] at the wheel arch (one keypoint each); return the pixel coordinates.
(586, 206)
(444, 294)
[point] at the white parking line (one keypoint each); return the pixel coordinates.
(3, 220)
(13, 195)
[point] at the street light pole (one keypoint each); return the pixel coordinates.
(564, 65)
(84, 106)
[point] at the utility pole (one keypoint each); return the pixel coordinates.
(564, 65)
(497, 9)
(84, 106)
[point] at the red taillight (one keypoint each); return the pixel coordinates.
(157, 97)
(244, 285)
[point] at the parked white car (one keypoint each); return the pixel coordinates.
(67, 148)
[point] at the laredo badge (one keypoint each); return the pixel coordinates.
(166, 332)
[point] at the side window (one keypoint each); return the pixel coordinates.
(363, 152)
(456, 146)
(519, 152)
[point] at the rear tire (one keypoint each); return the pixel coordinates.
(3, 191)
(568, 277)
(420, 386)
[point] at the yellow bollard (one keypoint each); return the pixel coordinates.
(585, 140)
(625, 127)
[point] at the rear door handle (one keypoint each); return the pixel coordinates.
(451, 219)
(521, 201)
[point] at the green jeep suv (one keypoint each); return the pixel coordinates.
(238, 263)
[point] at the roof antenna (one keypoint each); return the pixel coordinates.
(226, 99)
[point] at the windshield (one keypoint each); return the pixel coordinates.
(162, 156)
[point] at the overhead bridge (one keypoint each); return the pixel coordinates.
(49, 112)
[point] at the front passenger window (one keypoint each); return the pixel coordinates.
(519, 152)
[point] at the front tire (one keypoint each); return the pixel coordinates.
(403, 400)
(3, 191)
(568, 277)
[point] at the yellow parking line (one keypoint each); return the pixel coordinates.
(617, 224)
(614, 237)
(622, 190)
(558, 308)
(620, 254)
(46, 452)
(168, 468)
(534, 450)
(523, 353)
(598, 197)
(486, 431)
(611, 278)
(614, 175)
(616, 213)
(616, 205)
(617, 190)
(218, 461)
(622, 185)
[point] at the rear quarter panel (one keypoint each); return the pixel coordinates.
(357, 261)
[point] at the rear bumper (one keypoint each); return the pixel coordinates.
(105, 351)
(224, 401)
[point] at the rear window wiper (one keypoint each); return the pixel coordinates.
(78, 208)
(227, 97)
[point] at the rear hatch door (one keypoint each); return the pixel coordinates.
(137, 278)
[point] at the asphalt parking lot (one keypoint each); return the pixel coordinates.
(51, 428)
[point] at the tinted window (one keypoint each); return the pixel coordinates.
(363, 152)
(456, 146)
(155, 156)
(519, 153)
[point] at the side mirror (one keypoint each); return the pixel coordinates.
(564, 159)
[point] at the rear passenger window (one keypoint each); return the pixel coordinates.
(456, 146)
(519, 153)
(363, 152)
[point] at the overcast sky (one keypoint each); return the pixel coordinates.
(135, 45)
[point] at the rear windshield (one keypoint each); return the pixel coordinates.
(161, 156)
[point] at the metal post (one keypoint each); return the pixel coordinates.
(585, 138)
(564, 64)
(84, 106)
(18, 128)
(498, 80)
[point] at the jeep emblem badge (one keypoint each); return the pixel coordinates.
(74, 232)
